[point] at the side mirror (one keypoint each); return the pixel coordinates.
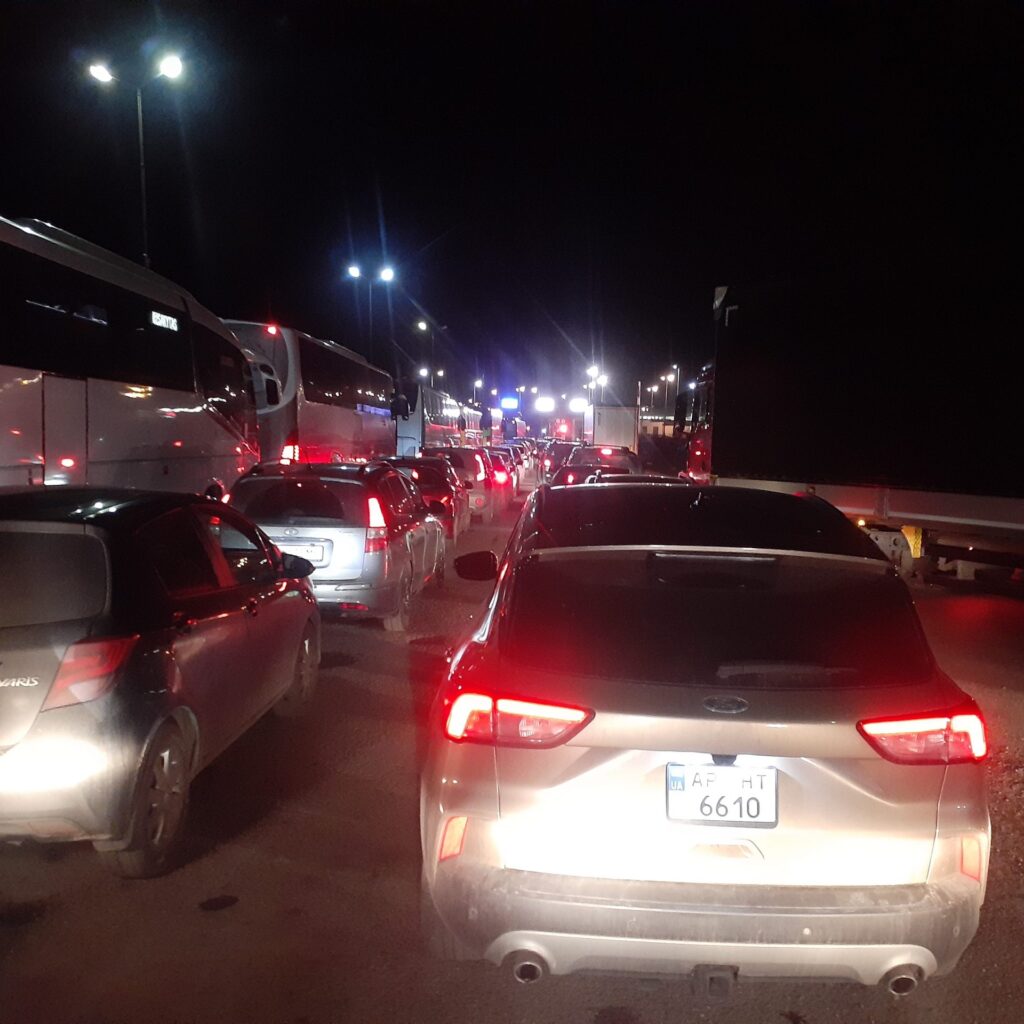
(477, 565)
(437, 509)
(214, 491)
(295, 568)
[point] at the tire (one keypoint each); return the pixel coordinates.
(159, 809)
(297, 698)
(399, 622)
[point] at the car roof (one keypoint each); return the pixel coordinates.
(666, 515)
(111, 508)
(358, 472)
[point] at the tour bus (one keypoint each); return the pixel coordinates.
(435, 418)
(317, 401)
(111, 375)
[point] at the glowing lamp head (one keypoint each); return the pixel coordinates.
(424, 372)
(387, 274)
(101, 73)
(422, 325)
(354, 271)
(171, 66)
(602, 380)
(480, 384)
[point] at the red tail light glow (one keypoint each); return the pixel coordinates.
(67, 463)
(271, 329)
(509, 722)
(291, 453)
(377, 532)
(607, 451)
(547, 463)
(931, 739)
(88, 670)
(570, 478)
(500, 476)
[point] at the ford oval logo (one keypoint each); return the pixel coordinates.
(726, 705)
(291, 532)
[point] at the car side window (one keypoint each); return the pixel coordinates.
(173, 546)
(396, 496)
(413, 500)
(247, 558)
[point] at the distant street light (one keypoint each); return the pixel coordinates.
(494, 392)
(533, 390)
(440, 373)
(424, 372)
(692, 385)
(593, 371)
(170, 67)
(578, 405)
(387, 274)
(354, 271)
(422, 325)
(544, 404)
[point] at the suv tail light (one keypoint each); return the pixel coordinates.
(377, 527)
(500, 476)
(929, 739)
(509, 722)
(291, 453)
(88, 670)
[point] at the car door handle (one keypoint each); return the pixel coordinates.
(184, 623)
(252, 607)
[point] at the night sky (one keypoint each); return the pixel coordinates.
(553, 182)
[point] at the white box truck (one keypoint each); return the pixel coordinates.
(612, 424)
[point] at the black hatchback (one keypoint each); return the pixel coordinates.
(140, 634)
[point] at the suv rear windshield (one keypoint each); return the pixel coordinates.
(707, 517)
(425, 476)
(616, 459)
(311, 501)
(52, 577)
(744, 622)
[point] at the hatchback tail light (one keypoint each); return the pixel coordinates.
(88, 670)
(509, 722)
(500, 476)
(291, 453)
(570, 478)
(929, 739)
(377, 527)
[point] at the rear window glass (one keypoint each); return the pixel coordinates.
(760, 623)
(284, 500)
(618, 460)
(51, 577)
(706, 517)
(424, 476)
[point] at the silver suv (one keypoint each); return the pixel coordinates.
(700, 730)
(373, 541)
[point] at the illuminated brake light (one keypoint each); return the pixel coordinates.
(570, 478)
(547, 463)
(67, 463)
(932, 739)
(500, 476)
(477, 718)
(377, 531)
(271, 329)
(453, 838)
(607, 451)
(291, 453)
(88, 670)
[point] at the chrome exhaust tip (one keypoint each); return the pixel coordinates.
(527, 967)
(902, 980)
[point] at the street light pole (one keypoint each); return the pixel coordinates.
(142, 179)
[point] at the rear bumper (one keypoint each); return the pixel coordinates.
(376, 599)
(580, 924)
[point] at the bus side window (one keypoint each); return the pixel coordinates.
(223, 378)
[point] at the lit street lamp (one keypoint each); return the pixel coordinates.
(602, 382)
(422, 325)
(354, 271)
(170, 67)
(593, 371)
(386, 275)
(478, 383)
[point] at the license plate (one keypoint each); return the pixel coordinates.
(710, 794)
(311, 552)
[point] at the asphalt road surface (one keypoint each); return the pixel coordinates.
(298, 902)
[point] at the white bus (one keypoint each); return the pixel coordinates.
(111, 375)
(317, 401)
(435, 418)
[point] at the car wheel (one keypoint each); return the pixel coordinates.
(399, 622)
(299, 695)
(158, 809)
